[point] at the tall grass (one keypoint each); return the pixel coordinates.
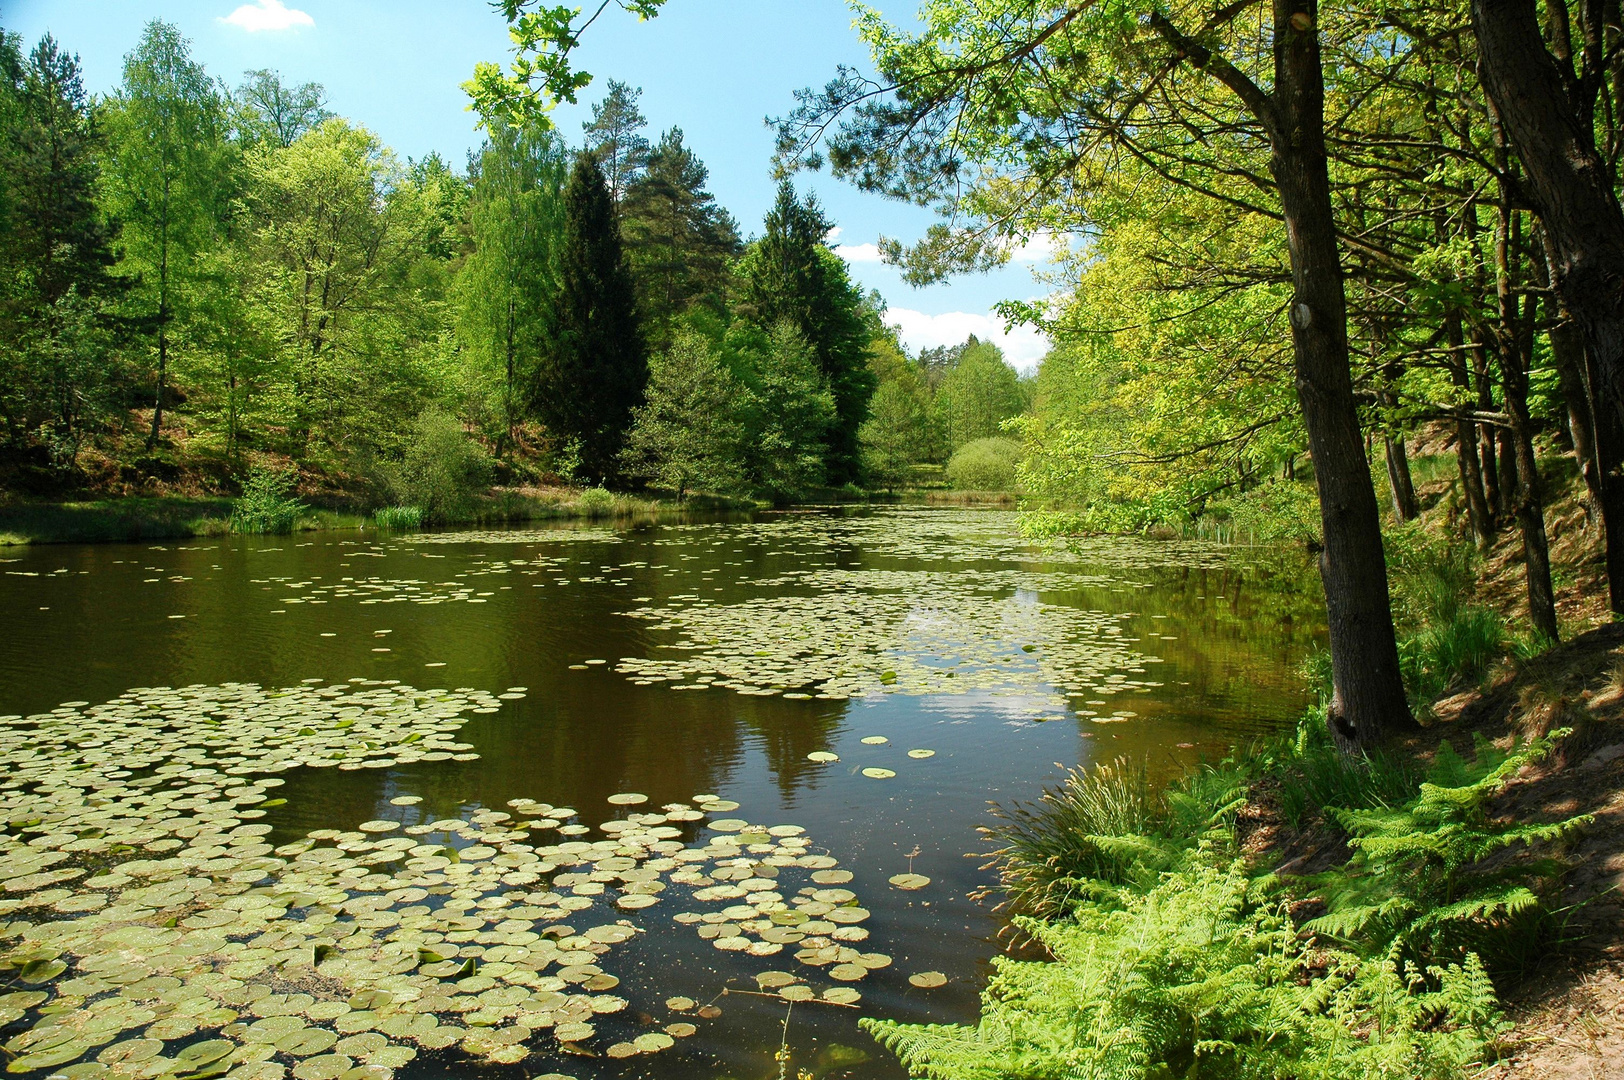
(398, 518)
(267, 504)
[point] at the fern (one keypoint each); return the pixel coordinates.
(1200, 976)
(1436, 878)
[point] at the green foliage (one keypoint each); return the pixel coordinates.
(267, 504)
(895, 437)
(507, 288)
(1425, 882)
(688, 435)
(1311, 773)
(1202, 974)
(442, 469)
(977, 395)
(790, 410)
(592, 377)
(985, 465)
(678, 240)
(398, 518)
(791, 276)
(596, 502)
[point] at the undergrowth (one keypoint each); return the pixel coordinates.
(267, 504)
(1173, 955)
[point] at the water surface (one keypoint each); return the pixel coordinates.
(710, 658)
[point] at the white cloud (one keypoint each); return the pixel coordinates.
(1023, 346)
(1040, 247)
(858, 253)
(268, 15)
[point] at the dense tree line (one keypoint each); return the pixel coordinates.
(213, 279)
(1301, 231)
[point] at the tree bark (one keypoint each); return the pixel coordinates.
(1544, 107)
(1471, 476)
(1367, 690)
(1399, 481)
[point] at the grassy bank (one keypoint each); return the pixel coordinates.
(175, 517)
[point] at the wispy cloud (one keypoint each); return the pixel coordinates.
(270, 15)
(858, 253)
(1023, 346)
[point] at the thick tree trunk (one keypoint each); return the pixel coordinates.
(1547, 119)
(1368, 692)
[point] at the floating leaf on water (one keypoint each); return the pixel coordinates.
(679, 1004)
(848, 972)
(909, 882)
(771, 980)
(875, 740)
(797, 992)
(831, 877)
(878, 774)
(574, 1032)
(822, 755)
(842, 995)
(653, 1042)
(628, 798)
(928, 980)
(680, 1030)
(405, 800)
(921, 754)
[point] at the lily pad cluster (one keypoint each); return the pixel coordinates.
(149, 928)
(938, 636)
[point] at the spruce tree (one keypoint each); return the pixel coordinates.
(793, 275)
(593, 377)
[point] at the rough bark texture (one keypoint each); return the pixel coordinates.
(1368, 692)
(1399, 482)
(1548, 122)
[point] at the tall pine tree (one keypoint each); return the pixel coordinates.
(614, 136)
(793, 275)
(678, 239)
(593, 377)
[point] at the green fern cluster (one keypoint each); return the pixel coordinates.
(1202, 975)
(1437, 877)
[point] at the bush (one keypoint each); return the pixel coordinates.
(398, 518)
(1453, 653)
(985, 465)
(443, 470)
(267, 504)
(597, 502)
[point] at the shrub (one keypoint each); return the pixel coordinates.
(985, 465)
(398, 518)
(1314, 774)
(596, 502)
(442, 470)
(1451, 653)
(267, 504)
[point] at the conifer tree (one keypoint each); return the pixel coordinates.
(594, 375)
(793, 275)
(688, 436)
(678, 239)
(614, 136)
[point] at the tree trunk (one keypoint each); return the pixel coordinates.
(1547, 120)
(1368, 692)
(1510, 483)
(1399, 482)
(163, 377)
(1471, 476)
(1568, 357)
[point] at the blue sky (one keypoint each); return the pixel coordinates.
(715, 68)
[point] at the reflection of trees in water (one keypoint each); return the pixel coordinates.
(788, 731)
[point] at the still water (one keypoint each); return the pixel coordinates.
(705, 658)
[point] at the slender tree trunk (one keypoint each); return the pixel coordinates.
(1568, 357)
(1368, 692)
(1471, 476)
(1548, 118)
(1399, 482)
(1486, 435)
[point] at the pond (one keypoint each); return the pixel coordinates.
(587, 800)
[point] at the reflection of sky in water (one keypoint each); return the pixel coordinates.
(1220, 653)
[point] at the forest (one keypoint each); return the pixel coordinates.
(213, 289)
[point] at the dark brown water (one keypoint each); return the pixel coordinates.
(1177, 652)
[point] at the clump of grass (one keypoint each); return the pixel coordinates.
(1312, 774)
(267, 504)
(398, 518)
